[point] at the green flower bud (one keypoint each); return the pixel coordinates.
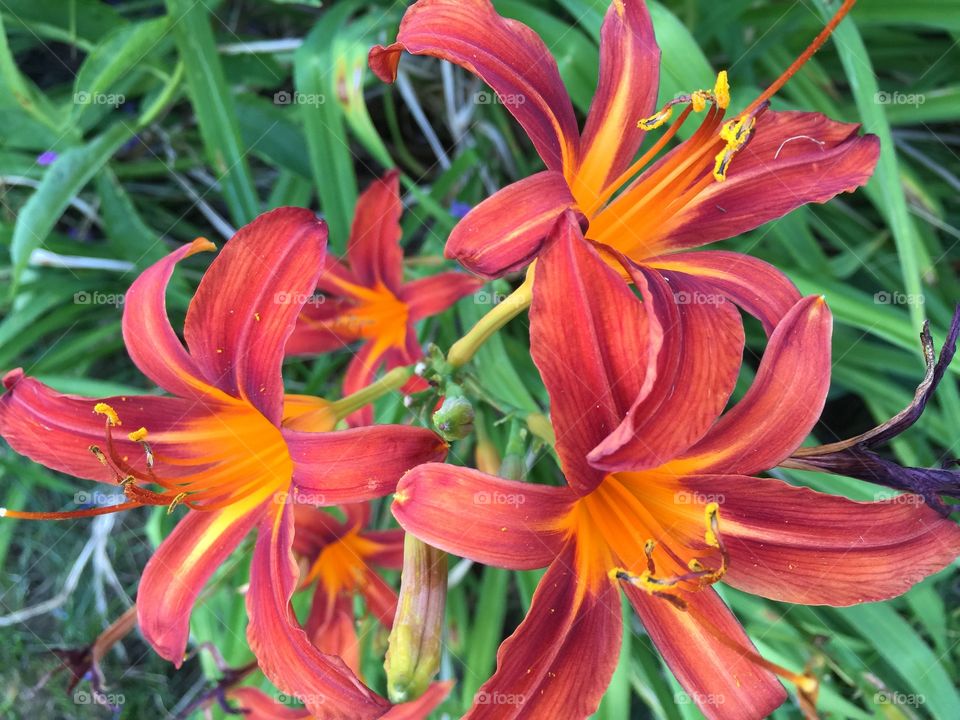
(454, 419)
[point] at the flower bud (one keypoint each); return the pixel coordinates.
(413, 655)
(454, 419)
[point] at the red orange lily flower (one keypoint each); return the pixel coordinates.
(660, 492)
(366, 299)
(342, 557)
(727, 178)
(229, 445)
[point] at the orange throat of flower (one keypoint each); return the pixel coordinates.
(375, 314)
(341, 566)
(233, 457)
(633, 523)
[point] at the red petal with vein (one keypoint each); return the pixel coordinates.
(507, 230)
(626, 92)
(506, 54)
(181, 566)
(331, 626)
(723, 683)
(390, 554)
(315, 529)
(421, 707)
(313, 333)
(697, 368)
(374, 248)
(257, 705)
(152, 344)
(558, 663)
(381, 599)
(57, 430)
(468, 513)
(432, 295)
(793, 159)
(781, 406)
(594, 344)
(793, 544)
(359, 464)
(247, 304)
(756, 286)
(323, 683)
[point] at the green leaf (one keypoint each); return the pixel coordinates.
(213, 103)
(63, 179)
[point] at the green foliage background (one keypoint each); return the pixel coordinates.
(187, 135)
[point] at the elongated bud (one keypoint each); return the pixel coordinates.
(413, 654)
(454, 419)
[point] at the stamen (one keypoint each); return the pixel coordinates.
(736, 133)
(655, 121)
(101, 408)
(176, 501)
(721, 91)
(812, 48)
(137, 435)
(98, 453)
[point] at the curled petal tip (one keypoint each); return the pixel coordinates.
(201, 244)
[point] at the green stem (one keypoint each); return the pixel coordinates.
(393, 380)
(503, 312)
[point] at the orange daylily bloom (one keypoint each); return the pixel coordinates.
(366, 299)
(227, 444)
(729, 177)
(665, 520)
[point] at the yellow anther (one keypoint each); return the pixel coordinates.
(735, 133)
(401, 496)
(655, 121)
(98, 454)
(711, 516)
(138, 435)
(127, 481)
(101, 408)
(721, 91)
(176, 501)
(698, 100)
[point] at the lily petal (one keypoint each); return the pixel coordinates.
(756, 286)
(57, 430)
(559, 661)
(255, 704)
(248, 301)
(374, 251)
(506, 231)
(181, 566)
(594, 344)
(793, 158)
(331, 626)
(323, 683)
(485, 518)
(151, 342)
(697, 368)
(506, 54)
(423, 705)
(349, 466)
(781, 406)
(800, 546)
(315, 333)
(626, 92)
(432, 295)
(723, 683)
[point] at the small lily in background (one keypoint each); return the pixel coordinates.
(341, 556)
(229, 445)
(365, 298)
(661, 499)
(729, 177)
